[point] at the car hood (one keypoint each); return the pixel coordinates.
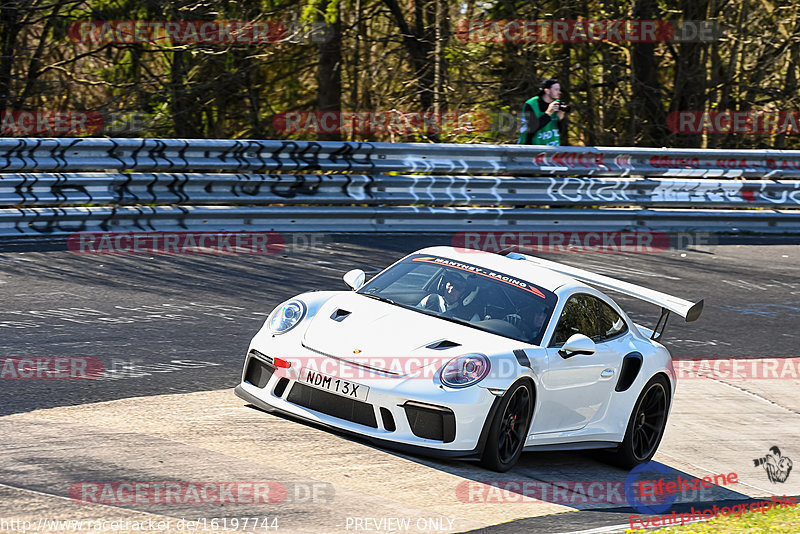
(375, 331)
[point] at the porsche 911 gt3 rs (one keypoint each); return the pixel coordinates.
(467, 354)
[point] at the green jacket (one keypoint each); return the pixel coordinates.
(547, 135)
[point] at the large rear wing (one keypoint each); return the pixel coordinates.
(688, 310)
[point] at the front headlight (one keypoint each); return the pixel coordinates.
(465, 370)
(286, 316)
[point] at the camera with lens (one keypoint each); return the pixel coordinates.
(563, 106)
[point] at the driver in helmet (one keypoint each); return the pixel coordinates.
(453, 298)
(454, 287)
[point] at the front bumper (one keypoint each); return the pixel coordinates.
(410, 414)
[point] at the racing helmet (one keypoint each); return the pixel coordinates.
(468, 285)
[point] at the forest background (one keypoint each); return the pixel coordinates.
(401, 57)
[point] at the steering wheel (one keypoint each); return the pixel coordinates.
(434, 302)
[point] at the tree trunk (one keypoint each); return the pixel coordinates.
(442, 40)
(357, 36)
(329, 73)
(789, 100)
(647, 106)
(419, 43)
(564, 70)
(690, 73)
(9, 28)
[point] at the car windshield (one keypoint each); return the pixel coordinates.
(468, 294)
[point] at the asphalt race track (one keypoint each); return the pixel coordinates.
(170, 332)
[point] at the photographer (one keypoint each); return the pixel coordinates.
(542, 116)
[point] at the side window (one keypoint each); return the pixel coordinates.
(609, 323)
(574, 320)
(590, 316)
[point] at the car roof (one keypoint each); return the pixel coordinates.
(519, 268)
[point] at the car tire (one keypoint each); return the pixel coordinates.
(509, 428)
(645, 426)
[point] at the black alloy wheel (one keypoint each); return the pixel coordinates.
(646, 425)
(649, 422)
(509, 428)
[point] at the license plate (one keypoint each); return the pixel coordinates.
(341, 387)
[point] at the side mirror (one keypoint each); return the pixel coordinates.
(355, 279)
(577, 344)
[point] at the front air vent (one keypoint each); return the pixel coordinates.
(339, 315)
(280, 387)
(443, 344)
(257, 372)
(320, 400)
(431, 422)
(388, 420)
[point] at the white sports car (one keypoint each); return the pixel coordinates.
(468, 354)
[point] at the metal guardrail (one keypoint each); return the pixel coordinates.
(177, 155)
(77, 189)
(58, 186)
(65, 221)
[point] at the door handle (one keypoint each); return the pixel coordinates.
(607, 373)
